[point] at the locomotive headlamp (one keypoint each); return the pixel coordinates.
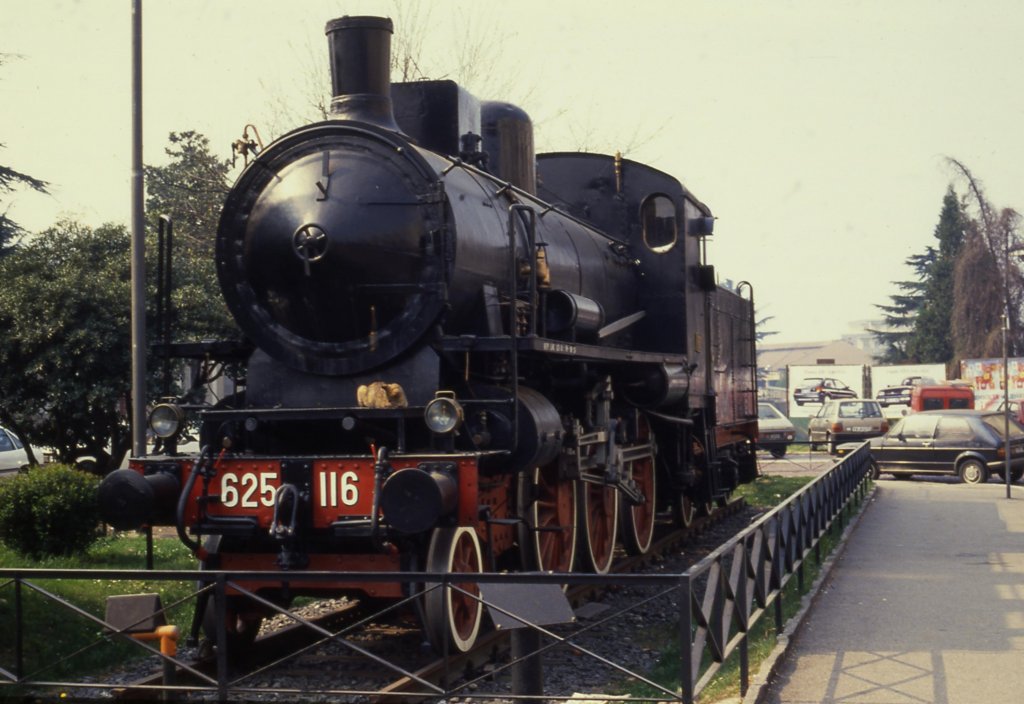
(165, 420)
(443, 414)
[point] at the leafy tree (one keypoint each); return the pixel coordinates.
(985, 288)
(10, 180)
(65, 357)
(190, 189)
(65, 308)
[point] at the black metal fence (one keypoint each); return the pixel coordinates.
(710, 609)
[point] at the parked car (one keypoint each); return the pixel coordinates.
(819, 390)
(899, 394)
(12, 452)
(935, 397)
(774, 431)
(966, 443)
(847, 420)
(1016, 410)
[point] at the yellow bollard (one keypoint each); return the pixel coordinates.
(168, 637)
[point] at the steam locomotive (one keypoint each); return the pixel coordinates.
(462, 356)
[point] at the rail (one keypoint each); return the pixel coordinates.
(711, 609)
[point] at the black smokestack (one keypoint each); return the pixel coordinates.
(361, 69)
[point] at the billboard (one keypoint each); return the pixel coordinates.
(809, 385)
(895, 375)
(986, 376)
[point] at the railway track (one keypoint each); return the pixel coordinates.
(389, 647)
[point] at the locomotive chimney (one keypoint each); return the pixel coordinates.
(361, 69)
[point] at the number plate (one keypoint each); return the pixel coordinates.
(860, 429)
(341, 489)
(243, 488)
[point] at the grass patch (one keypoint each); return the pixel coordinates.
(58, 643)
(768, 491)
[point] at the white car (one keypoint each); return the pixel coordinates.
(12, 452)
(774, 431)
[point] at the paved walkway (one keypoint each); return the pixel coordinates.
(925, 604)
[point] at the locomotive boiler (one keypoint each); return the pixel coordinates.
(461, 356)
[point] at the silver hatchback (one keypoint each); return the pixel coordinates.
(846, 420)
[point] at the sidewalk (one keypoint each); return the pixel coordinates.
(925, 604)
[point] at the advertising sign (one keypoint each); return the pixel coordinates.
(986, 376)
(810, 385)
(891, 384)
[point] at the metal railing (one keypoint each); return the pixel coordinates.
(744, 578)
(717, 603)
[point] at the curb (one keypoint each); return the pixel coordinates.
(769, 666)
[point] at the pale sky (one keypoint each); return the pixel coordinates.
(817, 132)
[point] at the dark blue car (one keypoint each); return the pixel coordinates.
(965, 443)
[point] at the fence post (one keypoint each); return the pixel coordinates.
(743, 604)
(19, 662)
(527, 667)
(220, 614)
(686, 638)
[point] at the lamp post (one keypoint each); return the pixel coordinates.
(1006, 383)
(1006, 356)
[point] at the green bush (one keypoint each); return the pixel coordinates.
(49, 510)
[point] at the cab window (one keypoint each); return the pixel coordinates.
(658, 219)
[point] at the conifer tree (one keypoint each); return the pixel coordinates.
(932, 339)
(919, 319)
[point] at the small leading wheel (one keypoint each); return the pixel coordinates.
(454, 612)
(973, 472)
(683, 510)
(548, 536)
(638, 521)
(598, 512)
(241, 625)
